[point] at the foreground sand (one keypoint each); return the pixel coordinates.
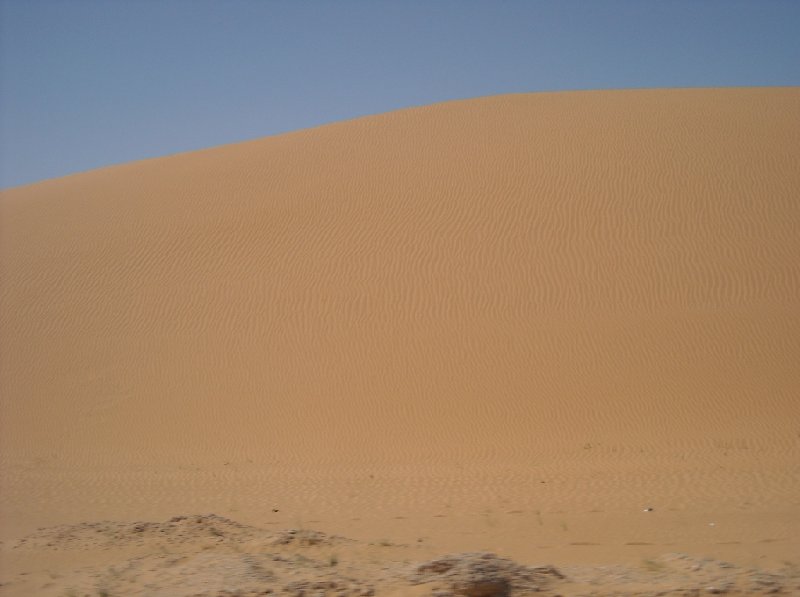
(213, 556)
(561, 327)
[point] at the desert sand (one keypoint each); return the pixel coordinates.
(560, 327)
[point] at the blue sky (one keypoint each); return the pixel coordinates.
(88, 83)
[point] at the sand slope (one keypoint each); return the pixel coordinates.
(560, 302)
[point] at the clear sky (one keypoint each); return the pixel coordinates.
(87, 83)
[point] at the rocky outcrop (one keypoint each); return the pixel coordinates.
(482, 575)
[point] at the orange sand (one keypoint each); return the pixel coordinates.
(509, 323)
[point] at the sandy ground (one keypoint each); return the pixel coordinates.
(212, 555)
(562, 327)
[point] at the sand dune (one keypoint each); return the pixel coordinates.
(479, 321)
